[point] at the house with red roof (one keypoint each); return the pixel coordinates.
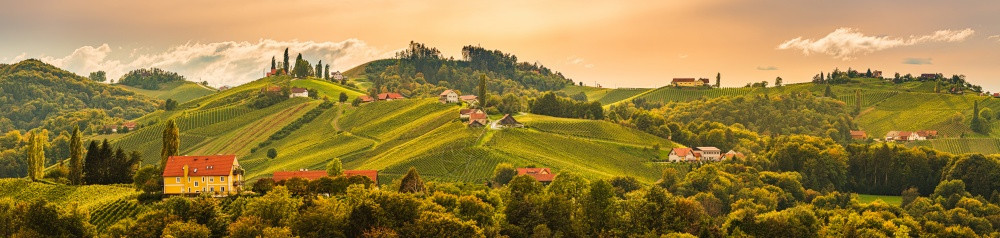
(859, 135)
(733, 155)
(682, 155)
(271, 89)
(389, 96)
(219, 175)
(478, 118)
(366, 98)
(688, 82)
(130, 125)
(299, 92)
(470, 99)
(542, 175)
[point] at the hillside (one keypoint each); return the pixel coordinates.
(180, 91)
(390, 137)
(36, 94)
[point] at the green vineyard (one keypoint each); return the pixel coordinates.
(110, 213)
(868, 98)
(673, 94)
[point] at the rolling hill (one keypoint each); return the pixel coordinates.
(180, 91)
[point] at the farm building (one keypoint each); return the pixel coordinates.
(688, 82)
(470, 99)
(448, 96)
(316, 174)
(224, 88)
(909, 135)
(478, 118)
(130, 125)
(389, 96)
(465, 113)
(271, 89)
(927, 134)
(299, 92)
(219, 175)
(877, 74)
(271, 73)
(708, 153)
(542, 175)
(509, 121)
(366, 98)
(859, 135)
(733, 155)
(681, 155)
(337, 75)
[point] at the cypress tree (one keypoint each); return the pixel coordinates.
(76, 157)
(411, 183)
(171, 143)
(90, 163)
(482, 91)
(272, 63)
(326, 72)
(285, 65)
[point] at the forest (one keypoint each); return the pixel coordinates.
(150, 79)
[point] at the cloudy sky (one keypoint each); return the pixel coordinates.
(612, 43)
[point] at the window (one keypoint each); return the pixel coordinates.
(222, 178)
(178, 179)
(196, 183)
(222, 189)
(189, 179)
(203, 179)
(212, 179)
(189, 190)
(211, 189)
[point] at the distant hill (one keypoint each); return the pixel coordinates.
(180, 91)
(34, 94)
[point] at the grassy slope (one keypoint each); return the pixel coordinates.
(604, 95)
(894, 200)
(326, 89)
(180, 91)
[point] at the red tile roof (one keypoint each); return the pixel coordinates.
(371, 174)
(299, 90)
(682, 152)
(271, 89)
(308, 175)
(446, 92)
(384, 96)
(130, 124)
(704, 80)
(540, 174)
(366, 98)
(683, 80)
(199, 165)
(477, 116)
(467, 97)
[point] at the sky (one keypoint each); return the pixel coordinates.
(607, 43)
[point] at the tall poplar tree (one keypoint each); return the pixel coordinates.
(273, 65)
(76, 157)
(285, 64)
(718, 80)
(482, 91)
(326, 72)
(171, 143)
(319, 69)
(36, 154)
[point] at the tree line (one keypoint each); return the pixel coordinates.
(150, 78)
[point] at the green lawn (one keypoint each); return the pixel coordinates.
(181, 91)
(892, 200)
(326, 88)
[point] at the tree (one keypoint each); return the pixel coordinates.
(510, 104)
(273, 65)
(909, 195)
(169, 104)
(171, 143)
(503, 173)
(411, 182)
(277, 208)
(272, 153)
(188, 229)
(76, 157)
(285, 64)
(977, 124)
(335, 167)
(718, 80)
(37, 140)
(326, 72)
(98, 76)
(828, 92)
(319, 69)
(987, 114)
(857, 101)
(356, 102)
(597, 206)
(482, 91)
(343, 97)
(777, 82)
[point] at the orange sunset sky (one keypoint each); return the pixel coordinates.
(612, 43)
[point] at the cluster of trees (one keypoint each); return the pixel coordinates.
(104, 164)
(552, 105)
(794, 113)
(841, 77)
(34, 94)
(420, 70)
(149, 78)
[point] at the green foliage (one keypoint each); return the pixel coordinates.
(149, 78)
(169, 105)
(411, 183)
(272, 153)
(186, 230)
(503, 173)
(343, 97)
(276, 208)
(37, 141)
(334, 167)
(98, 76)
(822, 162)
(978, 172)
(171, 142)
(552, 105)
(875, 168)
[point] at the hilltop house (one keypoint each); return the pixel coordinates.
(542, 175)
(859, 135)
(877, 74)
(224, 88)
(448, 96)
(688, 82)
(219, 175)
(509, 121)
(299, 92)
(681, 155)
(271, 89)
(733, 155)
(337, 76)
(927, 134)
(470, 99)
(909, 135)
(708, 153)
(316, 174)
(273, 72)
(388, 96)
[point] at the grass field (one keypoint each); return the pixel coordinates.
(893, 200)
(326, 88)
(919, 111)
(181, 91)
(604, 95)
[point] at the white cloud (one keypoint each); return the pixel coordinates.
(578, 61)
(847, 43)
(995, 37)
(219, 63)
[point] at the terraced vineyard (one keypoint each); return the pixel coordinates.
(868, 98)
(326, 88)
(110, 213)
(89, 197)
(619, 94)
(673, 94)
(962, 145)
(919, 111)
(598, 130)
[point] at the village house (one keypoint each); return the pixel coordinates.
(466, 112)
(859, 135)
(448, 96)
(299, 92)
(271, 89)
(877, 74)
(316, 174)
(909, 135)
(470, 99)
(688, 82)
(542, 175)
(708, 153)
(224, 88)
(996, 95)
(508, 121)
(366, 98)
(929, 76)
(478, 119)
(389, 96)
(273, 72)
(681, 155)
(130, 125)
(927, 134)
(733, 155)
(218, 175)
(337, 76)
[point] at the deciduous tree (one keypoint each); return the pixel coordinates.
(171, 142)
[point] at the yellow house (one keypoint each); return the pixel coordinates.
(219, 175)
(689, 82)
